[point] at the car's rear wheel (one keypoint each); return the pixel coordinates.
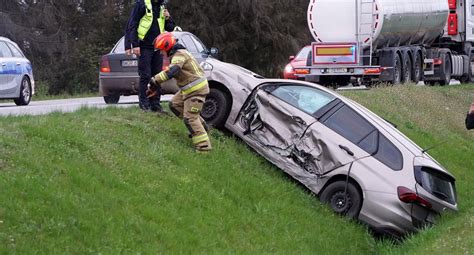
(25, 92)
(216, 108)
(111, 99)
(345, 202)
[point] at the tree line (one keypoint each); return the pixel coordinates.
(64, 39)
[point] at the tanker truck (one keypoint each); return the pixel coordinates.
(394, 41)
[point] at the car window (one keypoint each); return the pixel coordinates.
(189, 44)
(200, 46)
(119, 47)
(389, 154)
(5, 51)
(303, 54)
(16, 52)
(437, 183)
(346, 122)
(307, 99)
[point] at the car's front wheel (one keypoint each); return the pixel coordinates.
(111, 99)
(25, 92)
(343, 201)
(216, 108)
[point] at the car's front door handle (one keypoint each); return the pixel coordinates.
(18, 64)
(347, 150)
(3, 64)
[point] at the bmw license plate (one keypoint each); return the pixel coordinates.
(129, 63)
(337, 70)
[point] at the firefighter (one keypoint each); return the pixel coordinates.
(148, 19)
(187, 103)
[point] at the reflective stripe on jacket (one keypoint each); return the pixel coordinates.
(147, 20)
(191, 76)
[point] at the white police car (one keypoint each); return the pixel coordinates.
(16, 73)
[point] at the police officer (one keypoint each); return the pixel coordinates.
(186, 103)
(148, 19)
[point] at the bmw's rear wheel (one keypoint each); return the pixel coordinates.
(111, 99)
(347, 203)
(25, 92)
(216, 108)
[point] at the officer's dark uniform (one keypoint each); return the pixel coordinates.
(150, 61)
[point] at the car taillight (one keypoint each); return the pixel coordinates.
(104, 65)
(289, 69)
(302, 71)
(409, 196)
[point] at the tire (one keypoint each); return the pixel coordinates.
(397, 70)
(333, 194)
(216, 108)
(407, 69)
(446, 71)
(112, 99)
(417, 69)
(25, 92)
(469, 77)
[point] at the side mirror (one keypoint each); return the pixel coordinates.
(291, 58)
(214, 51)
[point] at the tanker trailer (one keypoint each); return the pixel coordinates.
(395, 41)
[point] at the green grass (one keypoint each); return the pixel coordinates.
(119, 181)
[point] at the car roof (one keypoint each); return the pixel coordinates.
(6, 39)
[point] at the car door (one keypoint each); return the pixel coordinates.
(281, 118)
(7, 86)
(20, 64)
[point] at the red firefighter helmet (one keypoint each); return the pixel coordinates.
(165, 41)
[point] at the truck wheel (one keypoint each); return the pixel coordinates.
(469, 77)
(446, 70)
(417, 69)
(111, 99)
(397, 70)
(407, 68)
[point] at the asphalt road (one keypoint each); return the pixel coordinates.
(65, 105)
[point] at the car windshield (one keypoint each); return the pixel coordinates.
(436, 183)
(303, 54)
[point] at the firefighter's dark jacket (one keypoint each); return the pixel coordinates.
(131, 35)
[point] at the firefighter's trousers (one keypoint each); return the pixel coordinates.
(189, 108)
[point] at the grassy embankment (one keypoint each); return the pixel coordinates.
(121, 181)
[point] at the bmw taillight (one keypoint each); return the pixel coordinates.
(104, 65)
(409, 196)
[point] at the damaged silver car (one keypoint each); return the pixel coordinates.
(355, 161)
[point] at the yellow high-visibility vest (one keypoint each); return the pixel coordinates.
(147, 19)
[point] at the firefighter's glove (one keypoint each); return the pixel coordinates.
(153, 88)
